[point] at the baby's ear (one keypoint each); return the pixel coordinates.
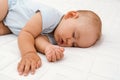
(72, 14)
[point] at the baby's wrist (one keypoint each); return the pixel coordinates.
(28, 53)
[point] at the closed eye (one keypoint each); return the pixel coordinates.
(73, 44)
(73, 35)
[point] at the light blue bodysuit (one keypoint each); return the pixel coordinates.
(20, 11)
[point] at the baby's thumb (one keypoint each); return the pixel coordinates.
(62, 49)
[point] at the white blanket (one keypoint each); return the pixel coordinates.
(99, 62)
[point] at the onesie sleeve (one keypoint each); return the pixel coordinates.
(50, 19)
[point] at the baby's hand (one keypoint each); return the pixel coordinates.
(54, 53)
(29, 63)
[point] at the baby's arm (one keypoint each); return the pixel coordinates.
(26, 40)
(52, 52)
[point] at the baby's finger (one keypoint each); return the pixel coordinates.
(27, 68)
(62, 49)
(33, 67)
(53, 57)
(61, 55)
(21, 67)
(49, 57)
(58, 54)
(39, 63)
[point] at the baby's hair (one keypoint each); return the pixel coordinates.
(95, 19)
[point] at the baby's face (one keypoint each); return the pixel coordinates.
(71, 33)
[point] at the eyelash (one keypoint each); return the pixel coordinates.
(73, 45)
(74, 35)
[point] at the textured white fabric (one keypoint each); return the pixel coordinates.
(99, 62)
